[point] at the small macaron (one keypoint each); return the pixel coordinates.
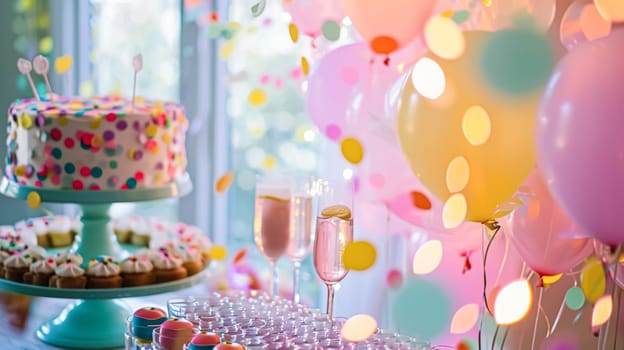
(204, 341)
(174, 333)
(145, 319)
(229, 346)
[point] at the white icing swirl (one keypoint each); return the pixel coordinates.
(69, 270)
(76, 225)
(65, 256)
(187, 254)
(103, 267)
(135, 264)
(59, 224)
(40, 225)
(43, 266)
(36, 252)
(4, 255)
(166, 261)
(18, 261)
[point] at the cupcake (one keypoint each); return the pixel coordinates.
(121, 229)
(40, 272)
(191, 259)
(103, 272)
(36, 252)
(137, 271)
(140, 232)
(40, 227)
(68, 275)
(168, 268)
(66, 256)
(16, 265)
(59, 231)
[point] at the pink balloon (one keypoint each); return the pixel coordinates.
(543, 234)
(333, 85)
(579, 136)
(309, 15)
(399, 21)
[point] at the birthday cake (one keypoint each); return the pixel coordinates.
(96, 143)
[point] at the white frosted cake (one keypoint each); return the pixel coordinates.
(97, 143)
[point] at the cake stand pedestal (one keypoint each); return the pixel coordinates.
(97, 320)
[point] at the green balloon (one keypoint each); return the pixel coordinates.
(331, 30)
(461, 16)
(517, 61)
(421, 309)
(575, 298)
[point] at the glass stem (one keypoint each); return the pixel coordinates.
(330, 301)
(296, 273)
(275, 282)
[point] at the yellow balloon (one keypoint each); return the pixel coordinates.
(431, 133)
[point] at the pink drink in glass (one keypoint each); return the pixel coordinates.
(301, 234)
(272, 225)
(332, 236)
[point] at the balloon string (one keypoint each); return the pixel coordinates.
(604, 338)
(491, 225)
(559, 313)
(539, 305)
(506, 331)
(495, 335)
(503, 262)
(545, 319)
(618, 293)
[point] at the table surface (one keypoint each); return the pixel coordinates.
(42, 309)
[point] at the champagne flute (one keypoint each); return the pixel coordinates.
(301, 234)
(272, 221)
(334, 230)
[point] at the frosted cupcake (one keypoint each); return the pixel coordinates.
(40, 227)
(68, 275)
(66, 256)
(36, 253)
(59, 231)
(191, 259)
(168, 268)
(121, 228)
(137, 271)
(103, 272)
(140, 232)
(16, 265)
(40, 272)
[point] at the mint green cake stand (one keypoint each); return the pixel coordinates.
(98, 319)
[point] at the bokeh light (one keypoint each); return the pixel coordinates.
(513, 302)
(428, 78)
(593, 25)
(218, 252)
(612, 10)
(465, 319)
(224, 182)
(421, 309)
(593, 280)
(352, 150)
(574, 298)
(476, 125)
(457, 174)
(602, 311)
(34, 200)
(394, 279)
(359, 255)
(454, 211)
(427, 258)
(444, 37)
(359, 328)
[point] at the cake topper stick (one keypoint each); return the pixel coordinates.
(42, 67)
(137, 63)
(24, 66)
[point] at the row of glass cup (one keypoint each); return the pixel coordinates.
(258, 321)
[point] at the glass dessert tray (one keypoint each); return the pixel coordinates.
(97, 319)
